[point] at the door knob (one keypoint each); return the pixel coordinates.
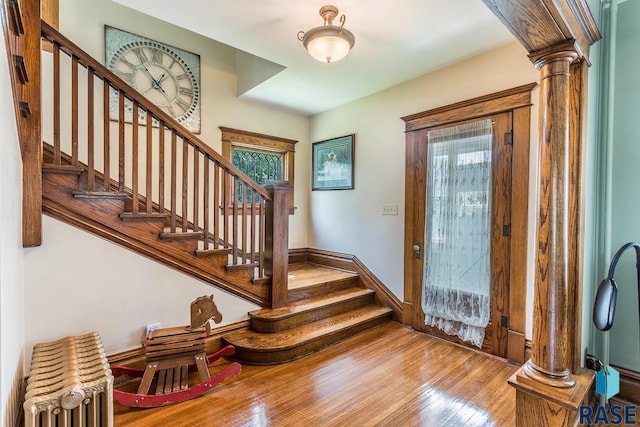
(417, 248)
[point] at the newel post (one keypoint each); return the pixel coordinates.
(276, 252)
(30, 125)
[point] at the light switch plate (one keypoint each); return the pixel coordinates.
(389, 209)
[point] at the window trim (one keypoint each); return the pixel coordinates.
(260, 142)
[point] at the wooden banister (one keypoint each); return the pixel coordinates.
(100, 71)
(101, 115)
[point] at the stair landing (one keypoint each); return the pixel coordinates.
(304, 274)
(326, 305)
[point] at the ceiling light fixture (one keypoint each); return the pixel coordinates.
(328, 43)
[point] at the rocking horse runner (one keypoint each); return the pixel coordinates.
(172, 353)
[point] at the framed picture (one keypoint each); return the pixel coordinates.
(332, 164)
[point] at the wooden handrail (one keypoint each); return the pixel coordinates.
(102, 72)
(205, 197)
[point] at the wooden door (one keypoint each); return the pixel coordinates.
(496, 333)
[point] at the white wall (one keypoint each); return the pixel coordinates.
(76, 282)
(350, 221)
(11, 254)
(90, 284)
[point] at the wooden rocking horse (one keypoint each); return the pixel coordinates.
(171, 353)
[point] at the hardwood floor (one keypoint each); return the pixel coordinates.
(303, 275)
(387, 376)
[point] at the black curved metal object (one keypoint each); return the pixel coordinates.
(604, 306)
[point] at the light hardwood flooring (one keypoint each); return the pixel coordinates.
(388, 376)
(303, 275)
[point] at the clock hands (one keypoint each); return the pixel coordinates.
(157, 84)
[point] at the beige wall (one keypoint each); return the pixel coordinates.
(351, 221)
(76, 282)
(90, 284)
(137, 292)
(83, 23)
(11, 255)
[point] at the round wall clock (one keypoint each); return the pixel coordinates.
(167, 76)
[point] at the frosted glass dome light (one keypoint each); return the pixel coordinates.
(328, 43)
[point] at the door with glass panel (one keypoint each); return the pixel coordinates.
(465, 236)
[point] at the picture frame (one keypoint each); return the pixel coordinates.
(332, 163)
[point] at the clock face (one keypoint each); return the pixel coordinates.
(167, 76)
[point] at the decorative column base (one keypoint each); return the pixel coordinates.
(544, 405)
(561, 379)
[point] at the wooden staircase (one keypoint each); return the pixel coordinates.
(327, 305)
(109, 214)
(145, 182)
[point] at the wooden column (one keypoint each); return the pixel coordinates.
(550, 362)
(546, 388)
(276, 252)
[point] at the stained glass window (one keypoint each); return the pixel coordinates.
(258, 165)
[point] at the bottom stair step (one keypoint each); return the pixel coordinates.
(279, 347)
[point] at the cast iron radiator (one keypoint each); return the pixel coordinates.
(70, 384)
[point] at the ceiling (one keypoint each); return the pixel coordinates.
(395, 41)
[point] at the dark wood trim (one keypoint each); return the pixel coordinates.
(51, 15)
(51, 12)
(577, 177)
(31, 127)
(383, 295)
(518, 101)
(516, 351)
(351, 263)
(485, 105)
(538, 24)
(415, 176)
(15, 17)
(21, 28)
(629, 385)
(258, 141)
(20, 69)
(254, 138)
(519, 220)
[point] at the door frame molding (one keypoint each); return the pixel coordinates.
(518, 101)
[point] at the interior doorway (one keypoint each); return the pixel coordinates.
(466, 222)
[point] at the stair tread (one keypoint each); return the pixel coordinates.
(99, 194)
(213, 252)
(67, 169)
(143, 215)
(182, 235)
(304, 275)
(308, 332)
(303, 306)
(247, 266)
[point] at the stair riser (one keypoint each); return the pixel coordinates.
(322, 289)
(276, 325)
(272, 357)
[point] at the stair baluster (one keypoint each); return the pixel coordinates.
(207, 194)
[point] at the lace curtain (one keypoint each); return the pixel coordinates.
(457, 268)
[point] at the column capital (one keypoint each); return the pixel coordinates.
(562, 52)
